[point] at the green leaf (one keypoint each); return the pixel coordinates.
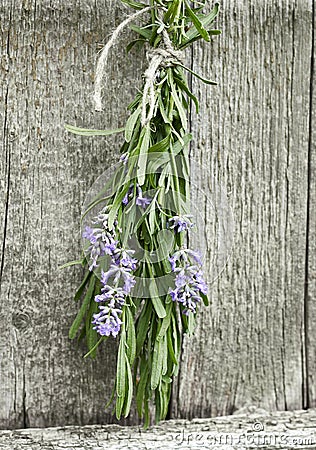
(172, 353)
(152, 213)
(128, 398)
(72, 263)
(173, 10)
(205, 299)
(128, 220)
(177, 101)
(197, 23)
(121, 367)
(80, 289)
(140, 390)
(142, 158)
(205, 80)
(91, 334)
(164, 351)
(156, 366)
(82, 311)
(156, 301)
(88, 132)
(131, 338)
(142, 326)
(134, 5)
(160, 146)
(117, 204)
(193, 34)
(130, 124)
(162, 110)
(111, 397)
(159, 308)
(142, 32)
(93, 349)
(185, 88)
(210, 32)
(165, 322)
(136, 42)
(155, 160)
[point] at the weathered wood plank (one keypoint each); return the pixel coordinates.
(252, 135)
(250, 429)
(311, 241)
(48, 54)
(250, 346)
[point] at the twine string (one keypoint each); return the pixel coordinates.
(165, 56)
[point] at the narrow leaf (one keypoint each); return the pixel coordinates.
(128, 399)
(197, 23)
(142, 158)
(88, 132)
(130, 124)
(82, 311)
(72, 263)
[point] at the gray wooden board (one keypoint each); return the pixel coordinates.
(48, 55)
(252, 138)
(252, 135)
(311, 241)
(252, 428)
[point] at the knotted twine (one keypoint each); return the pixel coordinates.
(158, 57)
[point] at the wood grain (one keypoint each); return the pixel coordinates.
(252, 428)
(256, 343)
(252, 138)
(310, 292)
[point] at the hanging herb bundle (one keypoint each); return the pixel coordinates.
(147, 296)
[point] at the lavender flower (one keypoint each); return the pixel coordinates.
(185, 256)
(124, 158)
(102, 243)
(181, 223)
(128, 195)
(107, 321)
(112, 298)
(189, 281)
(119, 273)
(140, 200)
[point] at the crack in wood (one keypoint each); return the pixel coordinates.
(307, 329)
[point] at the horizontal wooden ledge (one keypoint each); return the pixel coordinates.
(249, 427)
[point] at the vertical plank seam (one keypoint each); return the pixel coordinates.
(7, 194)
(306, 398)
(8, 157)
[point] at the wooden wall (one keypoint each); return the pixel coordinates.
(255, 136)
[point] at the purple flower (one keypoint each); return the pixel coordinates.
(140, 200)
(189, 281)
(143, 201)
(89, 234)
(120, 274)
(124, 158)
(128, 195)
(125, 199)
(185, 256)
(107, 321)
(181, 223)
(102, 240)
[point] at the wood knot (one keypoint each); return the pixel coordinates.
(21, 321)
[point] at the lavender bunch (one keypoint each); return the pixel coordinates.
(147, 303)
